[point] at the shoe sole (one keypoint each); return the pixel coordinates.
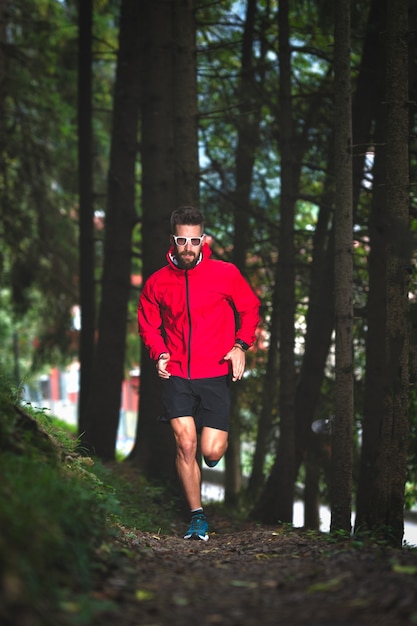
(197, 537)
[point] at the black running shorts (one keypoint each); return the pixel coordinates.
(205, 399)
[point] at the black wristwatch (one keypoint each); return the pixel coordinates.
(245, 346)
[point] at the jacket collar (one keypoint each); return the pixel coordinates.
(204, 255)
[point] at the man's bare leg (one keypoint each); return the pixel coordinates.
(213, 444)
(188, 470)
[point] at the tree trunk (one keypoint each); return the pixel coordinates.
(268, 410)
(373, 409)
(320, 317)
(248, 139)
(154, 449)
(367, 96)
(380, 504)
(277, 499)
(185, 118)
(86, 222)
(311, 491)
(3, 87)
(169, 179)
(398, 264)
(3, 93)
(320, 325)
(286, 280)
(104, 400)
(341, 487)
(233, 474)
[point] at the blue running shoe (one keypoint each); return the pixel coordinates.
(210, 463)
(198, 528)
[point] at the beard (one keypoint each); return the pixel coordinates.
(187, 261)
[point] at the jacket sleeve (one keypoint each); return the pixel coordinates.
(150, 322)
(247, 306)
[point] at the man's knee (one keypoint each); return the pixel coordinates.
(214, 451)
(185, 437)
(186, 448)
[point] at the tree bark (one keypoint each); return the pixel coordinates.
(380, 503)
(86, 219)
(248, 139)
(104, 400)
(169, 179)
(277, 499)
(398, 264)
(154, 449)
(285, 460)
(341, 487)
(373, 407)
(320, 316)
(367, 95)
(187, 189)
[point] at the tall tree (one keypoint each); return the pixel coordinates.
(169, 151)
(86, 220)
(103, 405)
(37, 176)
(186, 157)
(384, 453)
(320, 317)
(367, 97)
(249, 105)
(320, 325)
(3, 30)
(341, 488)
(277, 500)
(284, 469)
(398, 267)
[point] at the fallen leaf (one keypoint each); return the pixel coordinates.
(244, 583)
(404, 569)
(144, 594)
(180, 600)
(328, 585)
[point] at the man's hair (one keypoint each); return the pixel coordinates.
(186, 215)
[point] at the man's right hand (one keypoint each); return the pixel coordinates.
(161, 365)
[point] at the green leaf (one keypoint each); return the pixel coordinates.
(144, 594)
(244, 583)
(404, 569)
(328, 585)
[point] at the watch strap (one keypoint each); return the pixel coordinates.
(242, 344)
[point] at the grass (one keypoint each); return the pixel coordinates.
(57, 511)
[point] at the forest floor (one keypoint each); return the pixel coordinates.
(248, 575)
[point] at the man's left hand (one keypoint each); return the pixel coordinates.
(237, 358)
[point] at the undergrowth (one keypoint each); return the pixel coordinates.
(59, 511)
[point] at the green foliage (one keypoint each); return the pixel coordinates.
(57, 511)
(410, 494)
(411, 485)
(38, 176)
(54, 514)
(38, 173)
(141, 505)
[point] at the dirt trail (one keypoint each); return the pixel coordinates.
(257, 576)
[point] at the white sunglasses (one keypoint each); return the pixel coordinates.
(182, 241)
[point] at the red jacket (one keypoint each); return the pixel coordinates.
(191, 315)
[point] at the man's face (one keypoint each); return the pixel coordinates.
(187, 254)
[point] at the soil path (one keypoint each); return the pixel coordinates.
(256, 576)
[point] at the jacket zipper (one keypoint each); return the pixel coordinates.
(187, 298)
